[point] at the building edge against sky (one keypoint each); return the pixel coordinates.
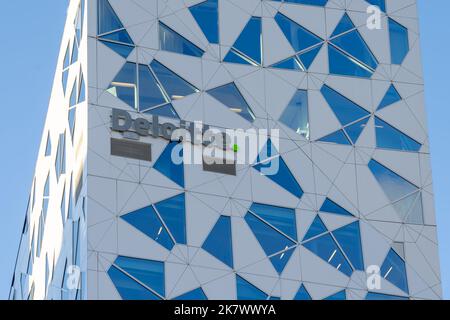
(111, 217)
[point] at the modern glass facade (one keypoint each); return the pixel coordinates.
(348, 212)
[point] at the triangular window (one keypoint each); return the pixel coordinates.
(247, 291)
(389, 137)
(330, 206)
(207, 16)
(349, 54)
(147, 221)
(219, 243)
(272, 165)
(399, 40)
(230, 96)
(274, 244)
(172, 168)
(349, 239)
(170, 40)
(392, 96)
(302, 294)
(173, 213)
(316, 228)
(394, 271)
(248, 46)
(296, 115)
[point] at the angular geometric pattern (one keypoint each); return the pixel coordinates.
(247, 48)
(351, 116)
(347, 185)
(150, 89)
(268, 158)
(349, 54)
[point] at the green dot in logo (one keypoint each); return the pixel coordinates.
(235, 148)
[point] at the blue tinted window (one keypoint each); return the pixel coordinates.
(389, 137)
(349, 238)
(307, 57)
(45, 202)
(150, 94)
(353, 44)
(74, 57)
(348, 52)
(272, 165)
(40, 236)
(326, 248)
(168, 166)
(392, 96)
(399, 41)
(66, 62)
(302, 294)
(128, 288)
(48, 148)
(249, 42)
(81, 89)
(271, 241)
(410, 209)
(394, 270)
(338, 137)
(173, 213)
(381, 296)
(147, 221)
(196, 294)
(121, 49)
(30, 263)
(207, 16)
(280, 260)
(230, 96)
(342, 64)
(73, 96)
(70, 204)
(176, 87)
(380, 3)
(107, 18)
(63, 207)
(47, 186)
(219, 242)
(121, 36)
(341, 295)
(75, 241)
(79, 21)
(169, 40)
(150, 273)
(394, 186)
(345, 110)
(299, 37)
(332, 207)
(247, 291)
(235, 57)
(281, 218)
(317, 227)
(295, 116)
(343, 26)
(164, 111)
(354, 131)
(60, 162)
(65, 77)
(72, 121)
(289, 64)
(124, 84)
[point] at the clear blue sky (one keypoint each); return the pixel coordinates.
(30, 40)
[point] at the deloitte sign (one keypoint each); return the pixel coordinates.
(203, 142)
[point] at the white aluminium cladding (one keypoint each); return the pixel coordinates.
(352, 193)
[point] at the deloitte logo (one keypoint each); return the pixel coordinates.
(203, 143)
